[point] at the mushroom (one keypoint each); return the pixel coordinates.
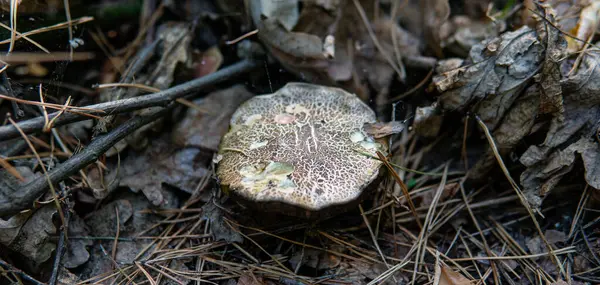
(301, 151)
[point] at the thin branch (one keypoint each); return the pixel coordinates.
(162, 98)
(23, 198)
(20, 273)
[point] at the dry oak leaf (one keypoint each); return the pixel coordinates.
(493, 75)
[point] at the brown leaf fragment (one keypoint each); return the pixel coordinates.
(248, 278)
(294, 44)
(202, 130)
(493, 75)
(436, 12)
(381, 129)
(551, 99)
(315, 259)
(446, 276)
(461, 33)
(427, 122)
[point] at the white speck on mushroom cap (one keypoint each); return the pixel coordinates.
(301, 146)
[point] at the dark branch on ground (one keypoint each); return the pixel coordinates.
(17, 271)
(60, 247)
(24, 198)
(161, 98)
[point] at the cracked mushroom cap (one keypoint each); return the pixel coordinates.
(303, 145)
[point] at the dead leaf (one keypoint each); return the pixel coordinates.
(162, 163)
(354, 62)
(10, 228)
(198, 129)
(436, 12)
(461, 33)
(549, 162)
(427, 121)
(284, 11)
(516, 124)
(248, 278)
(380, 129)
(209, 62)
(551, 99)
(493, 75)
(446, 276)
(554, 236)
(103, 222)
(315, 259)
(219, 229)
(10, 185)
(76, 253)
(34, 238)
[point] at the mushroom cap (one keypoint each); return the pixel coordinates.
(303, 145)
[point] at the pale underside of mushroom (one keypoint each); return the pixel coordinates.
(303, 145)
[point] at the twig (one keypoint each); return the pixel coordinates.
(162, 98)
(23, 198)
(242, 37)
(45, 177)
(60, 247)
(20, 273)
(6, 83)
(411, 205)
(68, 14)
(50, 28)
(519, 192)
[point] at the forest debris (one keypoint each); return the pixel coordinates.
(427, 122)
(33, 238)
(162, 163)
(550, 161)
(219, 229)
(11, 184)
(551, 100)
(315, 259)
(202, 130)
(493, 75)
(77, 253)
(248, 278)
(306, 51)
(446, 276)
(209, 62)
(381, 129)
(436, 13)
(461, 33)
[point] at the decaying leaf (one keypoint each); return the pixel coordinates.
(551, 99)
(446, 276)
(34, 238)
(331, 45)
(461, 33)
(550, 161)
(218, 227)
(250, 279)
(315, 259)
(427, 121)
(204, 130)
(436, 12)
(76, 253)
(493, 75)
(163, 163)
(380, 129)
